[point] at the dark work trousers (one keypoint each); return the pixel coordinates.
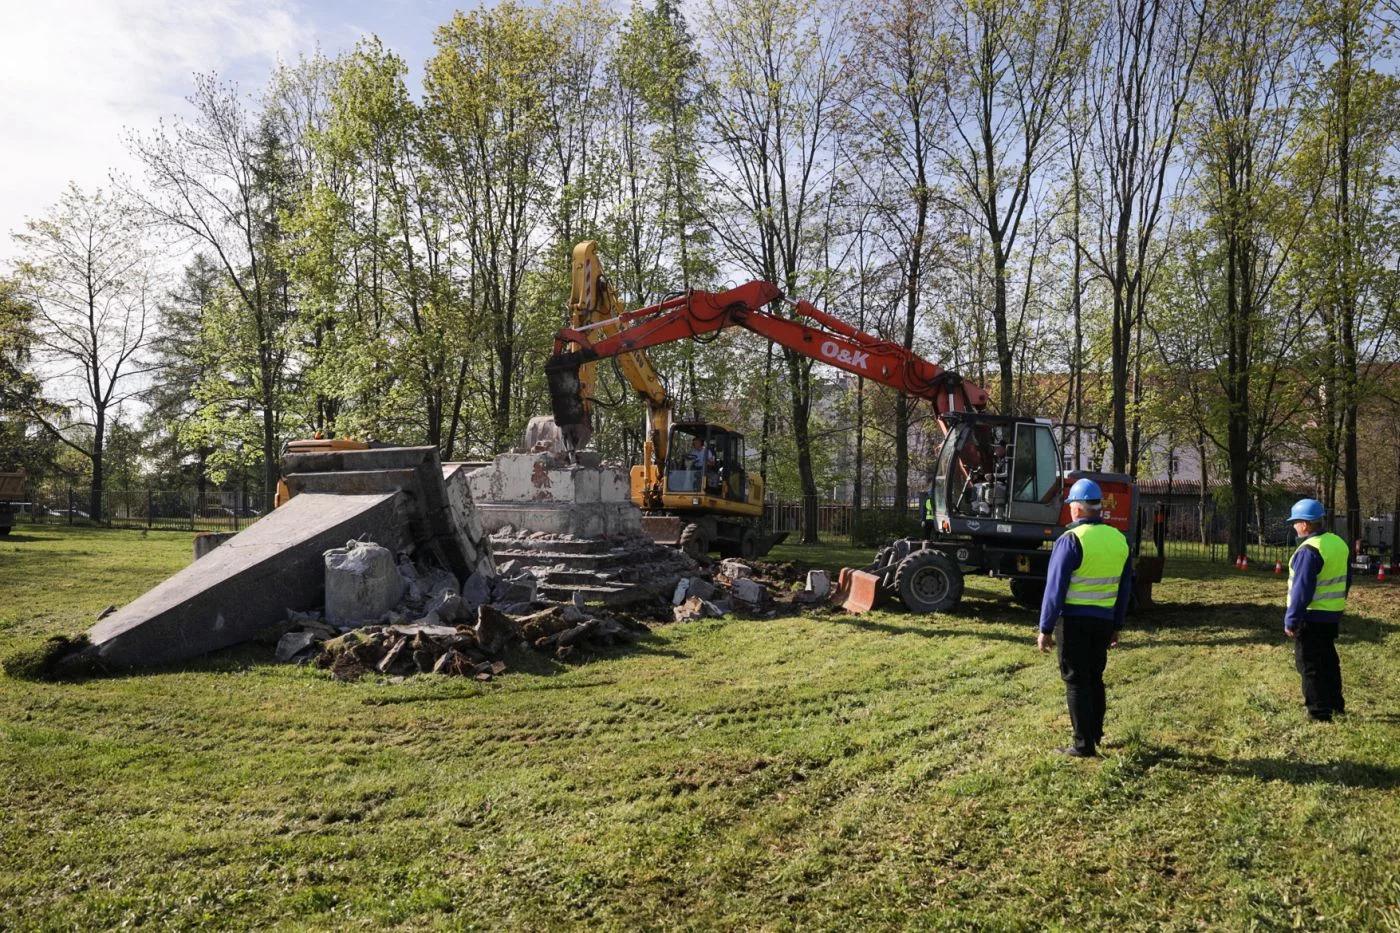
(1083, 655)
(930, 526)
(1315, 655)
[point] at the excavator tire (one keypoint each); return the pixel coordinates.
(695, 542)
(928, 581)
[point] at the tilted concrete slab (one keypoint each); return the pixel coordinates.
(249, 582)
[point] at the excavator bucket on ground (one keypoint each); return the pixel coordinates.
(856, 591)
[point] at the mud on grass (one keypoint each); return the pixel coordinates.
(816, 770)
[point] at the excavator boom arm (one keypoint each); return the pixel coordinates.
(699, 313)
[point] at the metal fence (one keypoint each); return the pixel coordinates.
(146, 507)
(1175, 530)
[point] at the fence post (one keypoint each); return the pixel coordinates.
(148, 507)
(194, 503)
(237, 507)
(70, 505)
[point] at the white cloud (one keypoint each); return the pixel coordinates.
(75, 75)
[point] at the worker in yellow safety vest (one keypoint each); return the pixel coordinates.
(1319, 575)
(1087, 585)
(930, 516)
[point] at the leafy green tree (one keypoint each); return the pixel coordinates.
(488, 90)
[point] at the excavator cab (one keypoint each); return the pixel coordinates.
(998, 468)
(706, 459)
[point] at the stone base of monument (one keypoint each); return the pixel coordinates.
(544, 492)
(574, 527)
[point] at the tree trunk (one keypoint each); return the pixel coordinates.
(801, 434)
(99, 440)
(1006, 401)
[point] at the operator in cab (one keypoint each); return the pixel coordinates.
(1319, 576)
(702, 460)
(1086, 590)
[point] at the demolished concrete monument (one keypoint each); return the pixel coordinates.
(401, 498)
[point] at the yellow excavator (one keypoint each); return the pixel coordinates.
(691, 485)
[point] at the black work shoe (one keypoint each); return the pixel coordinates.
(1069, 751)
(1323, 716)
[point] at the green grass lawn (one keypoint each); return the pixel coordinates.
(817, 771)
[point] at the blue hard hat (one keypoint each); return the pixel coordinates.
(1084, 490)
(1307, 510)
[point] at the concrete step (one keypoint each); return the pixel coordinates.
(551, 545)
(547, 559)
(580, 578)
(593, 592)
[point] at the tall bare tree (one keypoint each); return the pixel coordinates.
(85, 273)
(218, 180)
(778, 74)
(897, 108)
(1011, 67)
(1140, 82)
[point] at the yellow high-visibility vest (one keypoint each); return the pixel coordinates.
(1095, 582)
(1331, 592)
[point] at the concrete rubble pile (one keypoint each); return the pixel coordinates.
(747, 589)
(396, 619)
(386, 560)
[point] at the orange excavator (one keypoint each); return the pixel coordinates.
(998, 485)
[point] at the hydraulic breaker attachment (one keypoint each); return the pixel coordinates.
(856, 590)
(566, 400)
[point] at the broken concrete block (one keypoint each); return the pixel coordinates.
(746, 590)
(818, 583)
(362, 582)
(449, 607)
(522, 589)
(293, 644)
(429, 626)
(682, 591)
(735, 569)
(572, 614)
(476, 591)
(204, 543)
(696, 608)
(701, 587)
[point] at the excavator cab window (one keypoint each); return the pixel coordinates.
(1035, 474)
(693, 464)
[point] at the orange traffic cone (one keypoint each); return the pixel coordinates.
(1244, 562)
(1278, 568)
(1380, 573)
(1239, 562)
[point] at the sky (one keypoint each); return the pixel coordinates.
(77, 75)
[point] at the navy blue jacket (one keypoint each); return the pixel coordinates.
(1307, 564)
(1065, 559)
